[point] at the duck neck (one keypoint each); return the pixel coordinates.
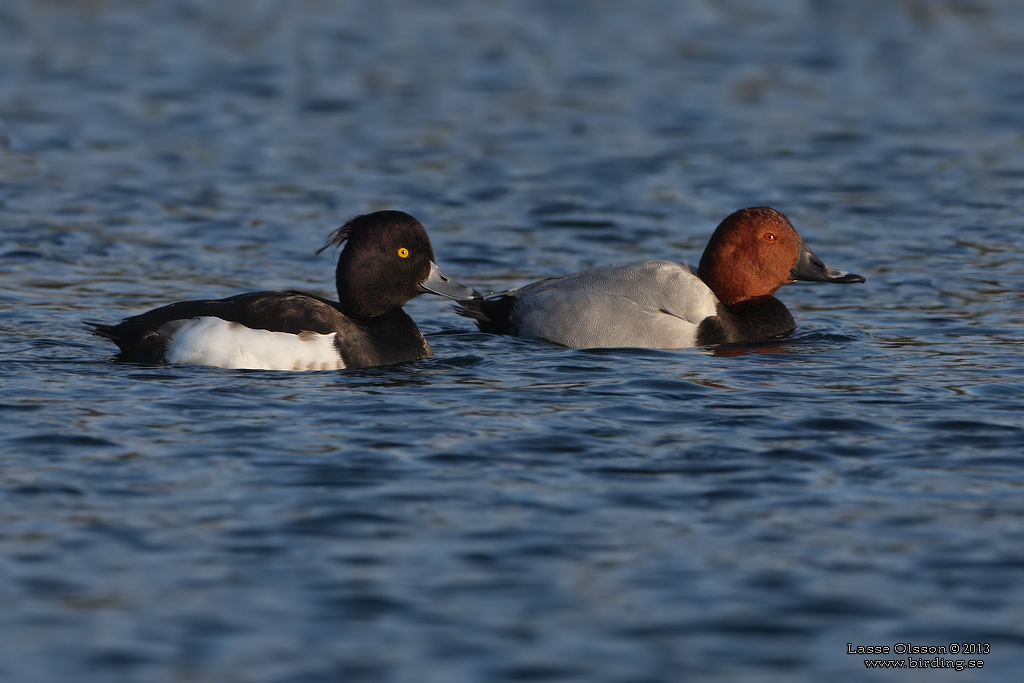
(360, 302)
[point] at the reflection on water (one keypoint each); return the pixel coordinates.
(508, 509)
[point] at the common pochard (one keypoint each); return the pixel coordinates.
(663, 304)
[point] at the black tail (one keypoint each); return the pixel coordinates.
(102, 329)
(135, 344)
(494, 316)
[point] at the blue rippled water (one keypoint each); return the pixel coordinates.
(509, 510)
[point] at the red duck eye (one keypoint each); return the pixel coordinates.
(770, 236)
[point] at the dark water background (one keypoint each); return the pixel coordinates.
(507, 510)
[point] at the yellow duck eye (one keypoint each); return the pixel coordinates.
(403, 252)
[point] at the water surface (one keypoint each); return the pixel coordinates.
(509, 510)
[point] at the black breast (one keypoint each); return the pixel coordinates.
(383, 340)
(763, 317)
